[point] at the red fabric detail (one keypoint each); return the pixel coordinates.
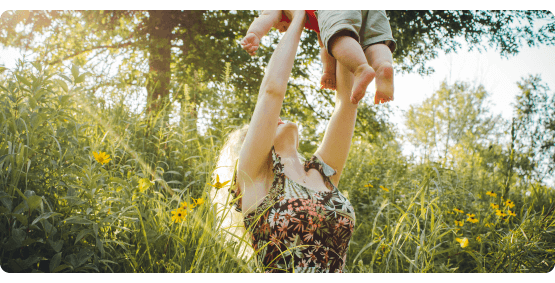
(311, 22)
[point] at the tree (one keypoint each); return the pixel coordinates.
(455, 114)
(169, 52)
(534, 129)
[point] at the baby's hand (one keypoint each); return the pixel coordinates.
(250, 43)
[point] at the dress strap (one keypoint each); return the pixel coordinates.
(321, 166)
(325, 170)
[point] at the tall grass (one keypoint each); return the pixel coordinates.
(64, 211)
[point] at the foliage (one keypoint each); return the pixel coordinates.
(535, 128)
(453, 115)
(172, 53)
(421, 34)
(64, 211)
(91, 184)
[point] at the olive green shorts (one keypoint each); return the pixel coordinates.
(367, 27)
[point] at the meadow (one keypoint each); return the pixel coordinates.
(89, 186)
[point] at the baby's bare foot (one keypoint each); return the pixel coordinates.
(364, 74)
(384, 84)
(328, 81)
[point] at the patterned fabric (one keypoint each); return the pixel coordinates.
(299, 229)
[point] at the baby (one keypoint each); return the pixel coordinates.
(339, 33)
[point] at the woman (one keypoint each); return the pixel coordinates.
(297, 218)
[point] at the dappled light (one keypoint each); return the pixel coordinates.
(112, 125)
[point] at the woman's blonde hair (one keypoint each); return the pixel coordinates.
(232, 225)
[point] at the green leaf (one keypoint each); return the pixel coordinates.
(65, 78)
(56, 246)
(81, 78)
(5, 198)
(82, 234)
(20, 207)
(18, 235)
(100, 246)
(64, 99)
(83, 256)
(25, 264)
(22, 218)
(77, 220)
(62, 84)
(34, 202)
(55, 261)
(61, 267)
(32, 102)
(45, 215)
(23, 80)
(28, 241)
(75, 72)
(37, 66)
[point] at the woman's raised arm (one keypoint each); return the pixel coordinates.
(334, 149)
(262, 128)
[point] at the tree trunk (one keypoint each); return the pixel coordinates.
(159, 59)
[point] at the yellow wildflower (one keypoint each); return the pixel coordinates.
(470, 215)
(500, 213)
(479, 239)
(458, 210)
(459, 223)
(184, 205)
(101, 157)
(509, 203)
(494, 206)
(199, 201)
(178, 215)
(369, 185)
(218, 185)
(511, 213)
(488, 224)
(472, 219)
(463, 242)
(385, 189)
(491, 193)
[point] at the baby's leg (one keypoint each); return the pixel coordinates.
(328, 77)
(348, 52)
(380, 58)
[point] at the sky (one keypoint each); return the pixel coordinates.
(497, 74)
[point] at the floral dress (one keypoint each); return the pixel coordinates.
(299, 229)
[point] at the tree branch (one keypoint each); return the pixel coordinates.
(91, 49)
